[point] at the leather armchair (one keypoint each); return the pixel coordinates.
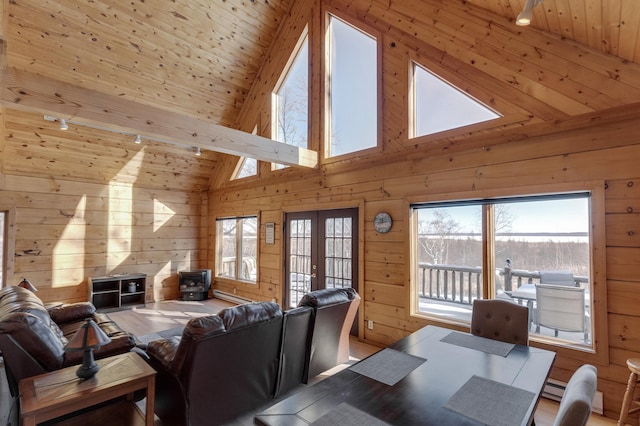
(334, 311)
(221, 367)
(32, 337)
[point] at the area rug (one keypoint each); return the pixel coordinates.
(164, 334)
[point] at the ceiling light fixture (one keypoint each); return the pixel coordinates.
(138, 139)
(524, 18)
(63, 124)
(198, 151)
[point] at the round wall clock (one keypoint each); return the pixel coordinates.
(382, 222)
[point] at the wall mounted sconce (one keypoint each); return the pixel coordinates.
(524, 18)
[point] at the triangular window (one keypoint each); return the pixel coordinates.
(249, 167)
(246, 167)
(290, 109)
(439, 106)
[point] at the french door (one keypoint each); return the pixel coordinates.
(321, 252)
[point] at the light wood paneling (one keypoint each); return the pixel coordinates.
(67, 231)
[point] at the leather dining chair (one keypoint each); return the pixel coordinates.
(577, 401)
(500, 320)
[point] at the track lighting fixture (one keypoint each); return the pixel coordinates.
(524, 18)
(138, 139)
(198, 151)
(63, 124)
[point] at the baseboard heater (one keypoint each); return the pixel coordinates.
(554, 390)
(230, 297)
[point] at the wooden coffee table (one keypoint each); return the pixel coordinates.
(61, 392)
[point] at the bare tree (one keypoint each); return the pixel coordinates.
(435, 235)
(503, 218)
(292, 115)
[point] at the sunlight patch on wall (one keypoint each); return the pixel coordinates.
(161, 214)
(162, 273)
(69, 251)
(120, 223)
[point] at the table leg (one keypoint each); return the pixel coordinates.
(29, 421)
(151, 395)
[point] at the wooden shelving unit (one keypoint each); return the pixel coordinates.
(113, 292)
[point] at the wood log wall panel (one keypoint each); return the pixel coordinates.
(67, 231)
(180, 55)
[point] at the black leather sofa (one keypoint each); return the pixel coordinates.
(226, 365)
(32, 337)
(222, 366)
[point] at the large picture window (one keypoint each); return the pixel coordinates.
(535, 251)
(237, 248)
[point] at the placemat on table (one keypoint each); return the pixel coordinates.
(490, 402)
(388, 366)
(478, 343)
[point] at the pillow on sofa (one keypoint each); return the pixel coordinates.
(39, 338)
(71, 312)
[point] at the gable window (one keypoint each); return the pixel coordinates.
(352, 89)
(291, 101)
(439, 106)
(533, 250)
(237, 248)
(246, 167)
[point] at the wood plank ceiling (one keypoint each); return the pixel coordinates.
(611, 26)
(200, 57)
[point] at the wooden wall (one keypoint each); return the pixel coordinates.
(89, 203)
(568, 121)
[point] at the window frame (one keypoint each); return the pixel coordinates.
(325, 106)
(238, 250)
(599, 352)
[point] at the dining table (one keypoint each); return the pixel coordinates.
(433, 376)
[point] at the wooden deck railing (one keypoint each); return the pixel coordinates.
(463, 284)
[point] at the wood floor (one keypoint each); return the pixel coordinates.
(161, 316)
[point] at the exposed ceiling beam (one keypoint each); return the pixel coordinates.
(35, 93)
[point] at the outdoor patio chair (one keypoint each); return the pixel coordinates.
(561, 308)
(500, 320)
(557, 278)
